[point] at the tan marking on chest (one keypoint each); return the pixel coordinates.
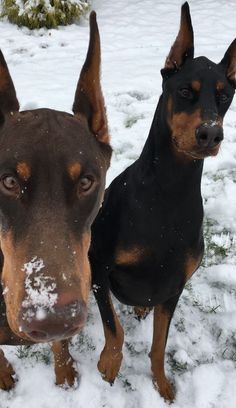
(130, 256)
(191, 265)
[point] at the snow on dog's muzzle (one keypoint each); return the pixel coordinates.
(45, 315)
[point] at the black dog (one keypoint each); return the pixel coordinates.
(147, 240)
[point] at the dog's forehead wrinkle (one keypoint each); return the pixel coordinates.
(55, 135)
(201, 68)
(44, 124)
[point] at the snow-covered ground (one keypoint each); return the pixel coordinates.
(201, 353)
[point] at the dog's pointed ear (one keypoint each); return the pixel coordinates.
(89, 101)
(8, 99)
(229, 62)
(183, 46)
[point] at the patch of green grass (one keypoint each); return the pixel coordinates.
(218, 243)
(175, 365)
(37, 353)
(83, 342)
(37, 13)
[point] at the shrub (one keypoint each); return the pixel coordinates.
(43, 13)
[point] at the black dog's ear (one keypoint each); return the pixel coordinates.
(229, 62)
(183, 46)
(8, 99)
(89, 100)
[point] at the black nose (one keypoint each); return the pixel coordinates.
(208, 135)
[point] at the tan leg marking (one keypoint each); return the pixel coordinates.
(111, 356)
(64, 370)
(6, 373)
(191, 265)
(142, 312)
(157, 354)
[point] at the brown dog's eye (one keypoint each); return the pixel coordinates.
(10, 185)
(85, 184)
(186, 93)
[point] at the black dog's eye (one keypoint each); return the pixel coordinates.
(10, 186)
(186, 93)
(223, 98)
(85, 184)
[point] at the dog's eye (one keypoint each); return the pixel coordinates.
(223, 98)
(85, 184)
(10, 186)
(186, 93)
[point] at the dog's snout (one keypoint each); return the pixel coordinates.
(64, 321)
(209, 136)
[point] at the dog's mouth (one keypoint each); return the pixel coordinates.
(37, 336)
(197, 153)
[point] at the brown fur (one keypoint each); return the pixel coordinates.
(196, 85)
(74, 170)
(220, 85)
(6, 373)
(129, 257)
(4, 79)
(183, 127)
(191, 265)
(50, 206)
(89, 88)
(183, 42)
(64, 364)
(161, 325)
(23, 170)
(231, 54)
(111, 356)
(142, 312)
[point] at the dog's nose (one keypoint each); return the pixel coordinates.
(63, 321)
(209, 136)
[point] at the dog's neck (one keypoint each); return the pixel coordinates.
(173, 172)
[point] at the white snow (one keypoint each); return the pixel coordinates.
(136, 36)
(39, 289)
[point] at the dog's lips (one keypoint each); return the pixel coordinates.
(196, 152)
(203, 153)
(42, 337)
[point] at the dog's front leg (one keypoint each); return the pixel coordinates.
(64, 365)
(162, 318)
(6, 373)
(111, 356)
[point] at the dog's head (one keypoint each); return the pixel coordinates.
(198, 93)
(52, 178)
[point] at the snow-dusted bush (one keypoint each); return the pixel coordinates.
(43, 13)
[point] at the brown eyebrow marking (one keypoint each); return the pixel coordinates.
(74, 170)
(23, 170)
(220, 85)
(196, 85)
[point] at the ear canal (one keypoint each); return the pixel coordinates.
(8, 99)
(183, 46)
(89, 101)
(229, 61)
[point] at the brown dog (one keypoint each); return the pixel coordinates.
(52, 177)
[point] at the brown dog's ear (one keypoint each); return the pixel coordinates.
(229, 62)
(8, 99)
(183, 46)
(89, 100)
